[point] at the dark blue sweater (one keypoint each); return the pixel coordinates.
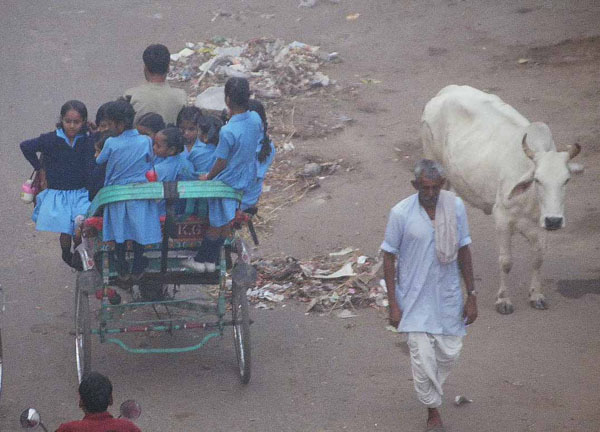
(66, 167)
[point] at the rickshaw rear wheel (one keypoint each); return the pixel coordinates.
(83, 336)
(241, 331)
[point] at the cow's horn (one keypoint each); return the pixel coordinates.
(526, 148)
(573, 150)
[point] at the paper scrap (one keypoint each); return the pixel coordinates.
(345, 271)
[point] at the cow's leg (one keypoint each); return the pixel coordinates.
(504, 231)
(536, 238)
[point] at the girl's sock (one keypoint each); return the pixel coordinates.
(214, 250)
(139, 260)
(209, 250)
(121, 262)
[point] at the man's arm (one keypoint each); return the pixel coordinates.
(465, 264)
(389, 275)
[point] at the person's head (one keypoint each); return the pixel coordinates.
(429, 179)
(237, 94)
(73, 118)
(187, 120)
(265, 150)
(149, 124)
(119, 115)
(95, 393)
(99, 143)
(156, 60)
(209, 127)
(101, 121)
(168, 142)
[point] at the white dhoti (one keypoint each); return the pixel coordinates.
(432, 357)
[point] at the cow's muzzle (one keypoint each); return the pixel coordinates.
(553, 223)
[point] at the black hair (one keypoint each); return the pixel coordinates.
(174, 138)
(210, 126)
(101, 138)
(77, 106)
(95, 392)
(152, 121)
(157, 58)
(121, 111)
(101, 113)
(265, 150)
(238, 92)
(189, 113)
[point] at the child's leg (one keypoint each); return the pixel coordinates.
(139, 260)
(121, 262)
(65, 245)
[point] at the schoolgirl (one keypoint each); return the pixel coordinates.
(265, 155)
(202, 155)
(66, 153)
(187, 121)
(128, 157)
(235, 165)
(149, 124)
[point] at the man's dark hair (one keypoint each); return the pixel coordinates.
(95, 392)
(156, 58)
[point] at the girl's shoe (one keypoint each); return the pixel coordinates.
(192, 264)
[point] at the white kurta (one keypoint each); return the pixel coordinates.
(427, 291)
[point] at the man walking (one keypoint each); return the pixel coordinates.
(429, 234)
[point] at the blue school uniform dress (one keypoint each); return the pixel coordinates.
(252, 193)
(174, 168)
(127, 159)
(202, 156)
(237, 145)
(65, 163)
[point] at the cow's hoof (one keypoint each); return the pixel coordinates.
(540, 304)
(504, 307)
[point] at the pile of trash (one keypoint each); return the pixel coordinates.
(274, 68)
(341, 280)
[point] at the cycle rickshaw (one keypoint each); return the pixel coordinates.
(164, 278)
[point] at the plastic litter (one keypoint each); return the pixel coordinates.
(213, 98)
(461, 400)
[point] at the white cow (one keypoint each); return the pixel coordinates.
(500, 163)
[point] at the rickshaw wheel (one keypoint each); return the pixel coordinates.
(83, 339)
(241, 331)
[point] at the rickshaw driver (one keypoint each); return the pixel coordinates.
(95, 396)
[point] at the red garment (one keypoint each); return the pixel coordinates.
(99, 422)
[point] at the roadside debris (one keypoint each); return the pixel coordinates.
(342, 280)
(461, 400)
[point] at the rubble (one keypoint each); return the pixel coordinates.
(342, 280)
(275, 69)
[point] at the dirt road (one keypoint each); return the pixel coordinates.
(532, 371)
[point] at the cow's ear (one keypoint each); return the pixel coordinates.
(520, 188)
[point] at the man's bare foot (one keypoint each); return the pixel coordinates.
(434, 420)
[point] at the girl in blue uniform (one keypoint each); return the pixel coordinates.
(202, 155)
(150, 124)
(168, 145)
(265, 155)
(65, 153)
(128, 157)
(235, 165)
(187, 121)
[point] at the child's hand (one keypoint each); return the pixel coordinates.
(97, 154)
(203, 177)
(92, 126)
